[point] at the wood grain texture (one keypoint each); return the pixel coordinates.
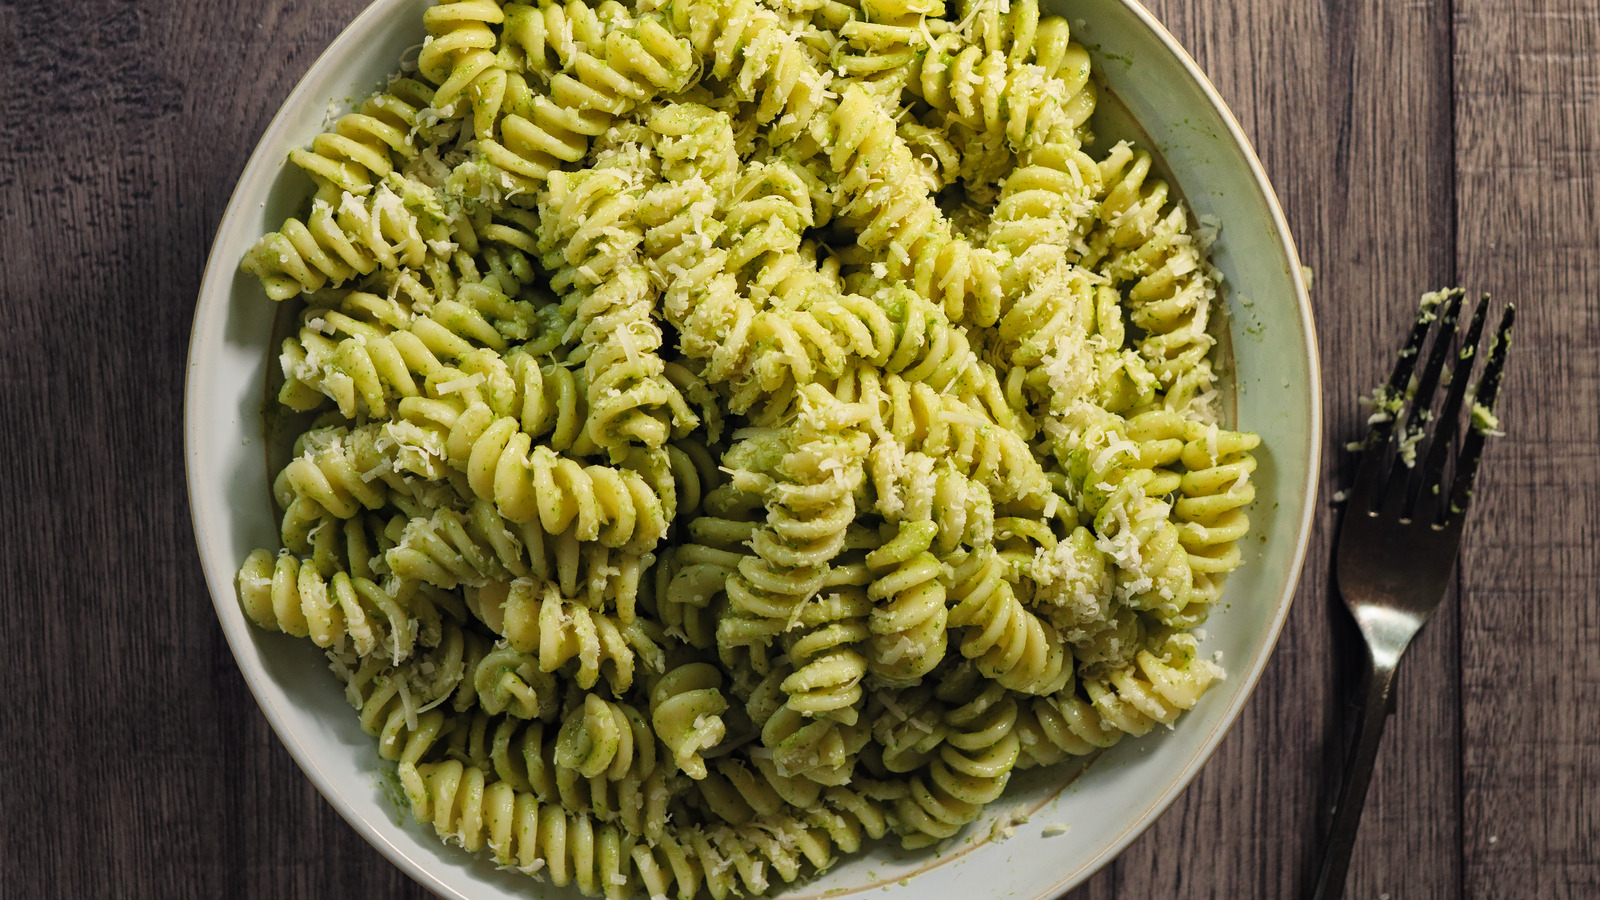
(1527, 107)
(138, 764)
(1412, 144)
(1324, 90)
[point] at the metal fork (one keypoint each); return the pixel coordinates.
(1402, 527)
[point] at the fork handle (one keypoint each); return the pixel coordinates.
(1375, 709)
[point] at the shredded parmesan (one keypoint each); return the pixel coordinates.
(460, 384)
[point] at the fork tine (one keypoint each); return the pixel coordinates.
(1401, 375)
(1428, 381)
(1488, 391)
(1426, 479)
(1398, 500)
(1390, 402)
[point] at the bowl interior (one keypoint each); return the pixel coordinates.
(1151, 86)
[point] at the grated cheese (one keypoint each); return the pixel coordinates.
(463, 383)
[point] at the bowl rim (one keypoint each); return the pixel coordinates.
(219, 271)
(1313, 441)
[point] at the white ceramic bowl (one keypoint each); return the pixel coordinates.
(1180, 116)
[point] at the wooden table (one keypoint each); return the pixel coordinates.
(1413, 145)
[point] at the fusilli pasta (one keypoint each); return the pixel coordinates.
(733, 431)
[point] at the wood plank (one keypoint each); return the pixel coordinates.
(140, 763)
(1528, 132)
(1323, 90)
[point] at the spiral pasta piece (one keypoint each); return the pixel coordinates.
(748, 630)
(961, 432)
(587, 234)
(1156, 686)
(454, 352)
(821, 750)
(911, 487)
(1017, 30)
(749, 48)
(523, 754)
(330, 545)
(327, 477)
(1052, 729)
(619, 507)
(908, 616)
(631, 65)
(1105, 463)
(558, 632)
(1062, 338)
(504, 239)
(1072, 584)
(826, 336)
(851, 816)
(568, 848)
(365, 146)
(445, 547)
(809, 483)
(972, 768)
(788, 589)
(459, 51)
(910, 727)
(631, 402)
(728, 861)
(879, 39)
(834, 818)
(828, 666)
(337, 243)
(406, 727)
(448, 549)
(1123, 380)
(396, 701)
(606, 739)
(937, 154)
(898, 219)
(740, 791)
(686, 710)
(593, 252)
(1153, 570)
(699, 165)
(510, 681)
(1145, 243)
(540, 39)
(1008, 642)
(1046, 208)
(1210, 506)
(291, 596)
(770, 206)
(688, 581)
(996, 92)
